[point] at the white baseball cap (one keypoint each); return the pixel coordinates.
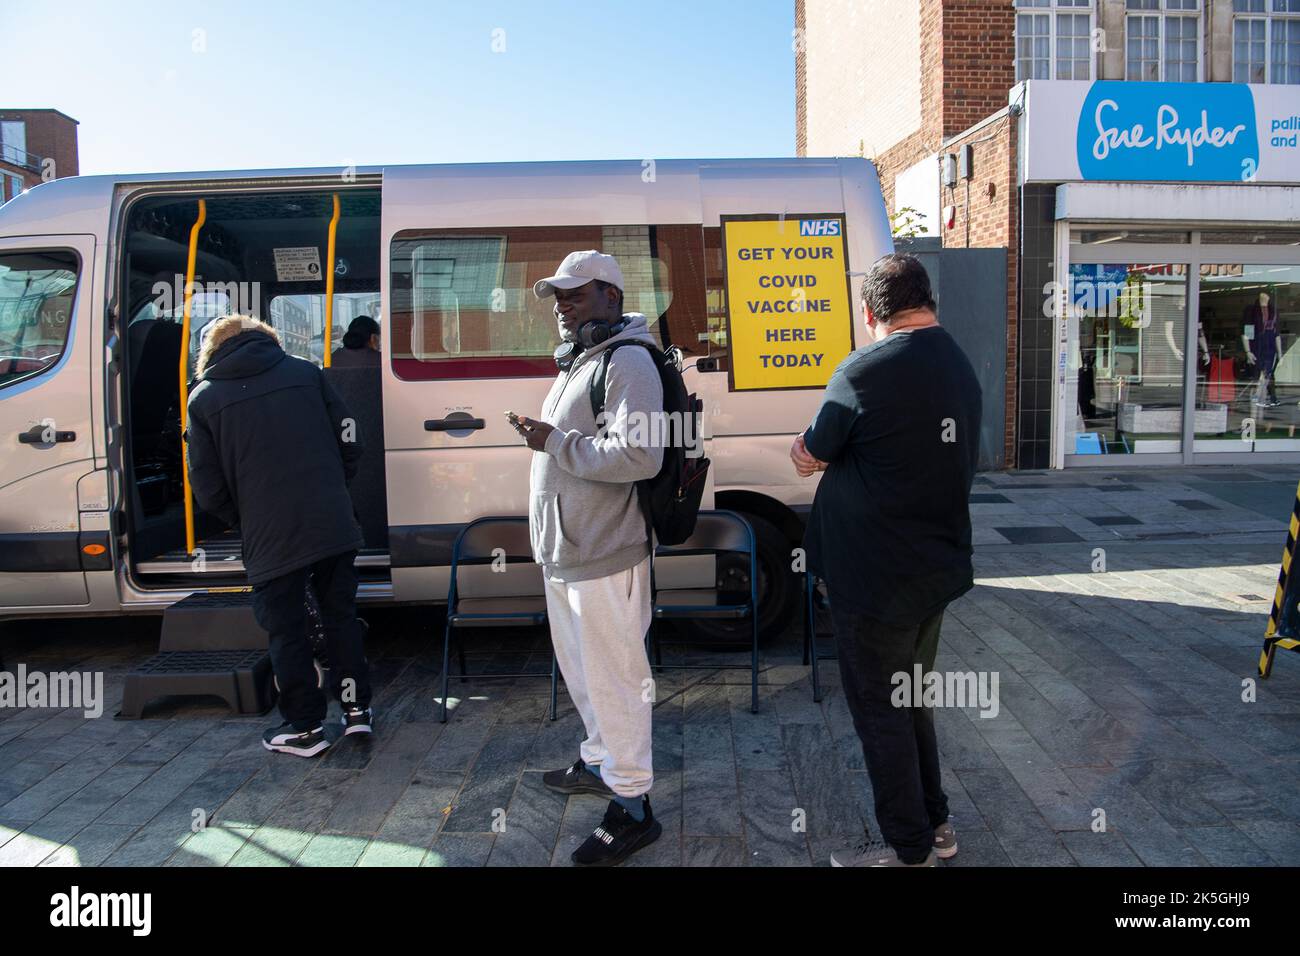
(579, 268)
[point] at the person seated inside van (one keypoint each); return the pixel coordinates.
(360, 345)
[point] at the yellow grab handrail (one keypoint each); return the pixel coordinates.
(185, 370)
(329, 283)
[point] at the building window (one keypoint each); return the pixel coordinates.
(10, 187)
(1248, 46)
(1285, 47)
(13, 142)
(1266, 41)
(1073, 46)
(1163, 44)
(1055, 43)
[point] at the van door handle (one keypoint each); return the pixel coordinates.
(36, 436)
(451, 423)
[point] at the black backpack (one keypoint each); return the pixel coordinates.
(670, 500)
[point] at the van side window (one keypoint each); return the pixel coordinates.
(37, 290)
(715, 290)
(300, 318)
(463, 307)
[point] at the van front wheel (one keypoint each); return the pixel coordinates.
(778, 588)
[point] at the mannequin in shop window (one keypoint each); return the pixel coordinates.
(1262, 337)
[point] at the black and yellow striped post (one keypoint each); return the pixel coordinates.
(1281, 631)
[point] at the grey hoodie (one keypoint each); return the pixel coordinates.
(583, 512)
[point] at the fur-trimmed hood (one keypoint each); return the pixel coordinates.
(225, 330)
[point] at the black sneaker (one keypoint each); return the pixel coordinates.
(303, 743)
(618, 836)
(357, 720)
(577, 779)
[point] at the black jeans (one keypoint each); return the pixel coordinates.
(898, 742)
(280, 608)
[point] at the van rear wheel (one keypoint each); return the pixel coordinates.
(778, 589)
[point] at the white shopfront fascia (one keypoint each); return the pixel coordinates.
(1156, 157)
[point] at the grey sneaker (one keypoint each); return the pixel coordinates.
(945, 841)
(873, 853)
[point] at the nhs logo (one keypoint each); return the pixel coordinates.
(819, 227)
(1168, 131)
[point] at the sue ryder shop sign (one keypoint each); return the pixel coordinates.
(1119, 131)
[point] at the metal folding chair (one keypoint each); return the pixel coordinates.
(716, 532)
(810, 652)
(482, 542)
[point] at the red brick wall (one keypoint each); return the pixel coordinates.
(979, 66)
(49, 134)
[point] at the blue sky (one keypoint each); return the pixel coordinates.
(284, 83)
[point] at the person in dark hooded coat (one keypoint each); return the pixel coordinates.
(271, 448)
(360, 345)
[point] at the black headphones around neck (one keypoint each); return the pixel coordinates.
(591, 333)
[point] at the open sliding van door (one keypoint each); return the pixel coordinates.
(465, 340)
(45, 413)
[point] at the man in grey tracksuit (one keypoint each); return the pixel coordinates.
(589, 534)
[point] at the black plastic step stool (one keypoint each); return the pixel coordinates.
(241, 678)
(211, 645)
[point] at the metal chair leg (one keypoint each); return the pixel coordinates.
(753, 668)
(555, 681)
(460, 657)
(810, 612)
(446, 668)
(807, 618)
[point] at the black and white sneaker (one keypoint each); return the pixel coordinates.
(618, 836)
(302, 743)
(578, 778)
(357, 720)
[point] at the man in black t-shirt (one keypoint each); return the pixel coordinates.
(897, 436)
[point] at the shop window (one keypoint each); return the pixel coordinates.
(1249, 357)
(1099, 237)
(1256, 237)
(1129, 322)
(1055, 43)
